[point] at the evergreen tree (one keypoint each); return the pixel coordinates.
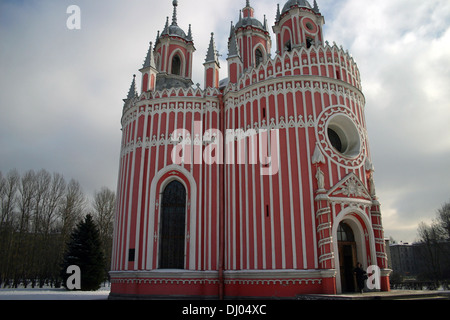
(84, 250)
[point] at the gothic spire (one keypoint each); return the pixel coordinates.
(149, 60)
(316, 7)
(212, 55)
(189, 36)
(232, 30)
(166, 27)
(233, 50)
(278, 13)
(132, 93)
(174, 17)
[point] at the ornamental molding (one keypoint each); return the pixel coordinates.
(188, 139)
(273, 281)
(297, 61)
(168, 105)
(167, 281)
(350, 187)
(291, 84)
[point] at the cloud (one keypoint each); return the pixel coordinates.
(62, 90)
(403, 51)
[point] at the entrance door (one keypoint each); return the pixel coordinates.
(173, 224)
(347, 257)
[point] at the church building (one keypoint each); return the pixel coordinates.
(260, 185)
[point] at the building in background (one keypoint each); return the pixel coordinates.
(258, 185)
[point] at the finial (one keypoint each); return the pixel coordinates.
(248, 3)
(316, 7)
(132, 93)
(167, 24)
(278, 13)
(149, 60)
(189, 36)
(174, 17)
(212, 52)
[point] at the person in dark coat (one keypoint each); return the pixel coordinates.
(361, 275)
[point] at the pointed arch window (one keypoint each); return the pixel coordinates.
(288, 46)
(173, 224)
(176, 65)
(259, 57)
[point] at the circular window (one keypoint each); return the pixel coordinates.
(344, 136)
(335, 140)
(309, 26)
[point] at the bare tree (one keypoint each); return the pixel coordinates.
(73, 205)
(8, 198)
(435, 245)
(104, 206)
(443, 221)
(23, 245)
(38, 212)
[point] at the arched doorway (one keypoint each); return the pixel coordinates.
(173, 227)
(347, 256)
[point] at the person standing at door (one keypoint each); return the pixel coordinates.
(361, 275)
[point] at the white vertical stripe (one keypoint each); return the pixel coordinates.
(130, 194)
(147, 218)
(255, 212)
(246, 187)
(272, 227)
(280, 192)
(291, 194)
(218, 199)
(313, 214)
(158, 229)
(261, 185)
(241, 194)
(233, 204)
(141, 177)
(300, 184)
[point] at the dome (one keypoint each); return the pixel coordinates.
(174, 30)
(299, 3)
(249, 21)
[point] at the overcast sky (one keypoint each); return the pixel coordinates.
(61, 90)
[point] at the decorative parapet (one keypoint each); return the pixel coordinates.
(320, 60)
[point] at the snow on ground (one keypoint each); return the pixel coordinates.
(53, 294)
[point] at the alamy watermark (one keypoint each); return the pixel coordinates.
(74, 280)
(373, 277)
(74, 20)
(239, 147)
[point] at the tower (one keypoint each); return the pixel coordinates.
(298, 24)
(249, 43)
(149, 71)
(258, 186)
(174, 54)
(212, 65)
